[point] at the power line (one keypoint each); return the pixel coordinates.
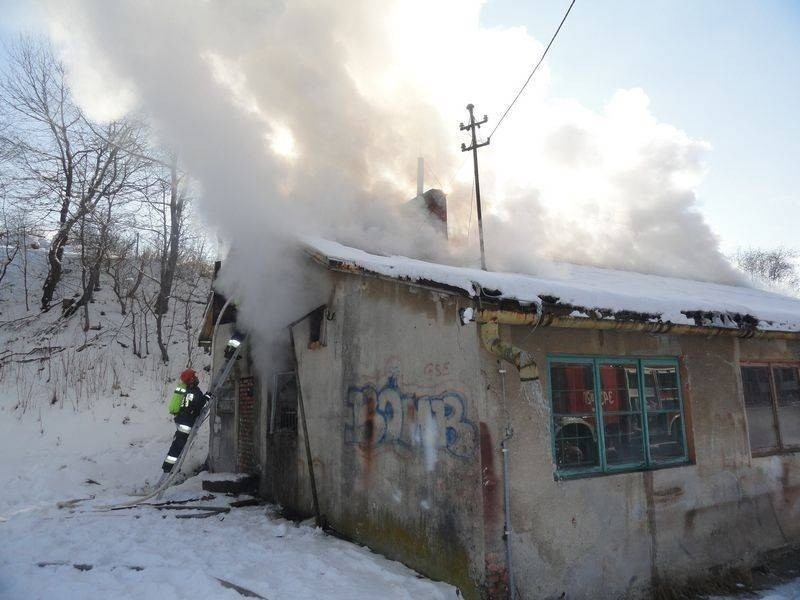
(527, 81)
(457, 171)
(469, 223)
(430, 170)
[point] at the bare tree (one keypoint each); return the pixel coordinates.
(166, 199)
(96, 228)
(124, 268)
(771, 265)
(172, 246)
(66, 163)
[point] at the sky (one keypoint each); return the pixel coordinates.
(724, 72)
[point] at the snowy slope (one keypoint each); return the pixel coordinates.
(668, 299)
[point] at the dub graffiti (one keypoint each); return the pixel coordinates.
(379, 416)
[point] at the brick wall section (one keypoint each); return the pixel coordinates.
(496, 582)
(246, 457)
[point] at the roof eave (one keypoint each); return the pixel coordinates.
(547, 316)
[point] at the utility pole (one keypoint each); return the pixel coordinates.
(473, 125)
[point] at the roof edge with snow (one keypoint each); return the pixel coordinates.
(572, 293)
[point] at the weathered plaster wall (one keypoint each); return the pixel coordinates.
(405, 417)
(612, 535)
(394, 406)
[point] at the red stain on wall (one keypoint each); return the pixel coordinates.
(489, 481)
(496, 574)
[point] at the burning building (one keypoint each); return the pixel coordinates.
(592, 433)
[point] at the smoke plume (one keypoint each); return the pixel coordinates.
(306, 117)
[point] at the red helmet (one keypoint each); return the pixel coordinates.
(188, 376)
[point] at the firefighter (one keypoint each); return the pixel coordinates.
(186, 404)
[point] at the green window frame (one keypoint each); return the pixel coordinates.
(638, 425)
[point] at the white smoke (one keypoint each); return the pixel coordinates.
(307, 117)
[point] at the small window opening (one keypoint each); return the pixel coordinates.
(316, 328)
(772, 403)
(284, 403)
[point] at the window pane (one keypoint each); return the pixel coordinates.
(573, 388)
(665, 431)
(574, 422)
(576, 442)
(619, 388)
(661, 387)
(787, 388)
(623, 438)
(758, 402)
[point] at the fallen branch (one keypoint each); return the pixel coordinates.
(165, 506)
(237, 588)
(9, 358)
(25, 318)
(216, 509)
(204, 515)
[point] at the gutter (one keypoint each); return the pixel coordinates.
(543, 319)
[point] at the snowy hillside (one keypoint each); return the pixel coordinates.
(47, 359)
(79, 398)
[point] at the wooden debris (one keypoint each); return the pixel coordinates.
(215, 509)
(243, 591)
(203, 515)
(246, 502)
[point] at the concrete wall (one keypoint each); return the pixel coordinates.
(394, 405)
(423, 484)
(614, 535)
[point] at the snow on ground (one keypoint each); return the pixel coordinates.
(788, 591)
(146, 553)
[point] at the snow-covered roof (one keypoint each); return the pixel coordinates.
(581, 291)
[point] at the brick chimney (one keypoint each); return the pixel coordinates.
(433, 201)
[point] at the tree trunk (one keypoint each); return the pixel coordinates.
(10, 256)
(89, 285)
(160, 338)
(173, 246)
(54, 257)
(25, 267)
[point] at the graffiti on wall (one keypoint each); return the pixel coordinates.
(385, 416)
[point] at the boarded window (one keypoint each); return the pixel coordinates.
(616, 414)
(772, 402)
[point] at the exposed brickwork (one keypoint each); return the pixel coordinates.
(496, 583)
(247, 454)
